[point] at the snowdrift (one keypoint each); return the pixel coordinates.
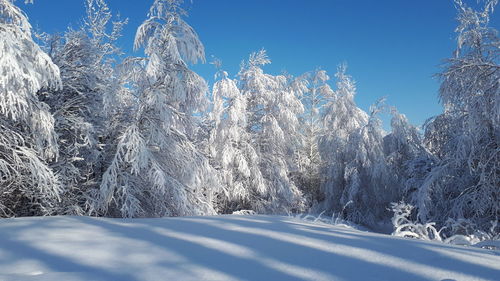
(225, 248)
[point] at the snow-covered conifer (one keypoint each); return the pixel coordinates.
(309, 159)
(84, 108)
(230, 148)
(273, 109)
(341, 118)
(157, 170)
(357, 179)
(406, 156)
(27, 138)
(369, 184)
(465, 137)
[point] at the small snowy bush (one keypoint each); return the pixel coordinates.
(464, 232)
(404, 227)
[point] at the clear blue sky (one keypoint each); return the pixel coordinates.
(392, 47)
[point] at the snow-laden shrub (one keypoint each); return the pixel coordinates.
(334, 219)
(405, 227)
(468, 233)
(245, 212)
(462, 232)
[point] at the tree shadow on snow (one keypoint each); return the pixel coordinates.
(226, 247)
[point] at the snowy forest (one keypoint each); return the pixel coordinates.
(89, 131)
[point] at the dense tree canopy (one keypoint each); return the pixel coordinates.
(85, 130)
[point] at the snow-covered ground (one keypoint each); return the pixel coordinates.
(225, 248)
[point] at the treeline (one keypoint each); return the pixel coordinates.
(85, 131)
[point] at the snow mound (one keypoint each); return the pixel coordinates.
(231, 247)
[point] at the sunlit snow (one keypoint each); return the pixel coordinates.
(225, 248)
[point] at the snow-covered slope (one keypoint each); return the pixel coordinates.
(225, 248)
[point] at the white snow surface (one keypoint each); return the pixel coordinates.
(228, 247)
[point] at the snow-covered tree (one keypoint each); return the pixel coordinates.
(157, 170)
(358, 183)
(406, 156)
(309, 159)
(341, 118)
(370, 186)
(465, 137)
(230, 148)
(27, 139)
(273, 109)
(85, 107)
